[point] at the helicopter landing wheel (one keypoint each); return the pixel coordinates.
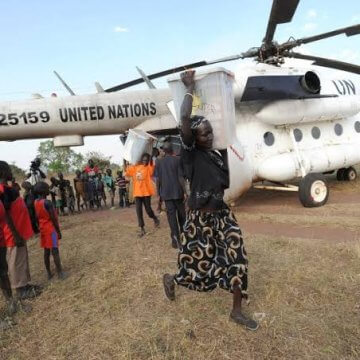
(350, 174)
(340, 174)
(313, 190)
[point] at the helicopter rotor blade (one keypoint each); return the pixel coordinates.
(282, 11)
(156, 75)
(329, 63)
(348, 31)
(250, 53)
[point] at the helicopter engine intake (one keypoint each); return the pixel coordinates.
(310, 82)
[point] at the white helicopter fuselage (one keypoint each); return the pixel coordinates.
(277, 138)
(327, 131)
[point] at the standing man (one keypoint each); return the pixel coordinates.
(170, 186)
(35, 174)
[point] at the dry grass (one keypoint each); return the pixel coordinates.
(113, 307)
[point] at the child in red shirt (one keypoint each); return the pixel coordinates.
(49, 229)
(16, 231)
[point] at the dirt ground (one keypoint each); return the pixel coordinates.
(304, 288)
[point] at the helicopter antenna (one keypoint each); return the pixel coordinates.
(67, 87)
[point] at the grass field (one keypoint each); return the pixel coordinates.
(304, 289)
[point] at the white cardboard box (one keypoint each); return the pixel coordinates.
(137, 143)
(213, 99)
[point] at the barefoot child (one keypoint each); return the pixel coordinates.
(121, 182)
(79, 186)
(110, 186)
(49, 229)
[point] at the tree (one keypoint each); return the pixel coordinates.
(59, 159)
(18, 173)
(100, 160)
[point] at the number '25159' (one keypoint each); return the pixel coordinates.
(31, 117)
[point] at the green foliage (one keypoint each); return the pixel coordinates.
(18, 173)
(59, 159)
(100, 160)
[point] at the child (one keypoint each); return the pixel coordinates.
(121, 182)
(49, 229)
(55, 189)
(29, 199)
(88, 189)
(80, 190)
(100, 191)
(110, 186)
(70, 197)
(62, 193)
(143, 190)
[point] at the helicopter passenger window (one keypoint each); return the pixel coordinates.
(298, 135)
(357, 126)
(269, 138)
(315, 132)
(338, 129)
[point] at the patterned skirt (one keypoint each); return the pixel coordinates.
(212, 253)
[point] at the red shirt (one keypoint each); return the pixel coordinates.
(20, 217)
(91, 171)
(2, 220)
(45, 224)
(49, 237)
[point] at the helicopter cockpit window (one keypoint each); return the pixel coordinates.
(338, 129)
(298, 135)
(315, 132)
(269, 138)
(357, 126)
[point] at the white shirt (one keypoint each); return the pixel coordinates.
(35, 177)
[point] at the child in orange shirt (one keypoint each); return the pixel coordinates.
(143, 190)
(49, 229)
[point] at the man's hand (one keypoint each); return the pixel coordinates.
(188, 78)
(59, 235)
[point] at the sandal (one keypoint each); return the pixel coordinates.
(169, 286)
(241, 319)
(141, 233)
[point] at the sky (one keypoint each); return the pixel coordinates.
(93, 40)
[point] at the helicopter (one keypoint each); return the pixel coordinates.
(292, 123)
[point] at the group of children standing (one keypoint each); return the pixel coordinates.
(92, 188)
(20, 219)
(23, 217)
